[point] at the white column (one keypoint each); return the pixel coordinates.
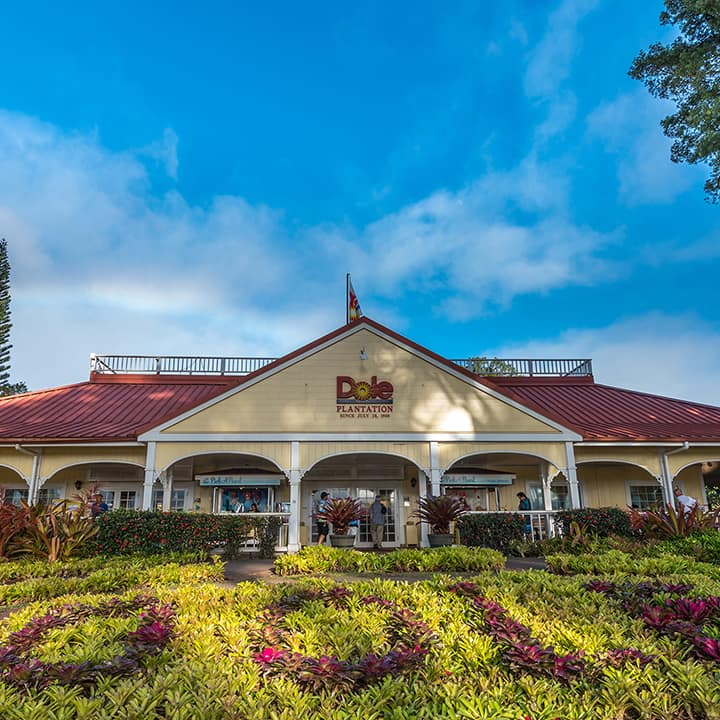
(571, 475)
(665, 480)
(149, 476)
(434, 469)
(547, 485)
(294, 519)
(547, 497)
(167, 485)
(422, 490)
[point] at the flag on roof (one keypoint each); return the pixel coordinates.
(353, 305)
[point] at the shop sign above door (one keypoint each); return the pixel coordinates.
(363, 399)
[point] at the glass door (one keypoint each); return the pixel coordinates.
(365, 493)
(388, 497)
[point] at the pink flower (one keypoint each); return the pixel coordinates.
(269, 655)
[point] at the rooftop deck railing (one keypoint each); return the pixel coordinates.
(210, 365)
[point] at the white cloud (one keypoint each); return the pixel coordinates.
(101, 264)
(550, 62)
(629, 127)
(671, 355)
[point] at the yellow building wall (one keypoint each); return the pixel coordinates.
(312, 452)
(691, 481)
(606, 485)
(15, 464)
(449, 453)
(302, 397)
(55, 459)
(679, 460)
(168, 453)
(647, 457)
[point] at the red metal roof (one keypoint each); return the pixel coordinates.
(603, 412)
(108, 408)
(120, 407)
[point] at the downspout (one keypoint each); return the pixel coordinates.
(665, 468)
(35, 472)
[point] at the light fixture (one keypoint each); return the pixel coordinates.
(413, 482)
(363, 354)
(78, 484)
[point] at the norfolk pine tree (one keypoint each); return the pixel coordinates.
(6, 388)
(688, 72)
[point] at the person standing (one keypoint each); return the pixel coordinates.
(323, 529)
(524, 504)
(99, 506)
(377, 522)
(686, 502)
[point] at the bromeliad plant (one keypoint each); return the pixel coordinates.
(671, 523)
(696, 620)
(341, 512)
(18, 667)
(438, 512)
(410, 639)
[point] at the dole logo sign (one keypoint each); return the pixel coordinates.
(361, 391)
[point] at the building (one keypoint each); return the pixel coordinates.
(360, 411)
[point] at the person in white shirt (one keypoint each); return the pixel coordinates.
(685, 501)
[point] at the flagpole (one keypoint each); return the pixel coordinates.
(347, 298)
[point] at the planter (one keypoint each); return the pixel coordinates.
(440, 540)
(342, 541)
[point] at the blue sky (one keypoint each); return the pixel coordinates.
(195, 178)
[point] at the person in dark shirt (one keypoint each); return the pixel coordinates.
(524, 504)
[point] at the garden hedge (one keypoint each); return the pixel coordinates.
(602, 522)
(492, 530)
(126, 532)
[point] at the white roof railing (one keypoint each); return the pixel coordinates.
(213, 365)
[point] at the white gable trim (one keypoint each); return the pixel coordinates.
(153, 433)
(156, 436)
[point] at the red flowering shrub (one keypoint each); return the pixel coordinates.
(125, 532)
(601, 522)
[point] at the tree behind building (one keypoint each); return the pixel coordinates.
(6, 387)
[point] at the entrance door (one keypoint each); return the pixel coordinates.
(365, 492)
(388, 497)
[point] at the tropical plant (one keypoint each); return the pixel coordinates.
(602, 522)
(492, 530)
(438, 512)
(13, 522)
(341, 512)
(55, 532)
(490, 367)
(671, 522)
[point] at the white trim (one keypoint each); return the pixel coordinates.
(612, 443)
(572, 478)
(154, 436)
(149, 477)
(152, 433)
(108, 444)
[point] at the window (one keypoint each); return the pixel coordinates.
(46, 496)
(108, 497)
(15, 495)
(127, 499)
(560, 495)
(177, 499)
(645, 497)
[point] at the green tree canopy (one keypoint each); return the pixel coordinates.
(687, 71)
(6, 387)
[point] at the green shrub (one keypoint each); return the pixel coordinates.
(323, 559)
(614, 562)
(499, 531)
(125, 532)
(704, 547)
(596, 521)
